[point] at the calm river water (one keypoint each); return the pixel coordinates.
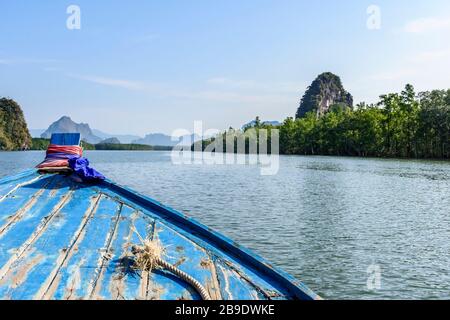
(334, 223)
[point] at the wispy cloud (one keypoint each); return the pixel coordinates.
(21, 61)
(120, 83)
(431, 56)
(229, 96)
(224, 95)
(416, 65)
(426, 70)
(427, 25)
(250, 85)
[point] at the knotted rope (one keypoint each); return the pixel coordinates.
(148, 256)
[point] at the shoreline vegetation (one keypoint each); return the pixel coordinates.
(42, 144)
(402, 125)
(14, 134)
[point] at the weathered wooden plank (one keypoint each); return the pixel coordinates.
(211, 240)
(233, 287)
(9, 186)
(47, 245)
(74, 278)
(28, 174)
(23, 195)
(263, 285)
(15, 235)
(165, 286)
(265, 289)
(174, 242)
(117, 279)
(188, 257)
(54, 244)
(18, 176)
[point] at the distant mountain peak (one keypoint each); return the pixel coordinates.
(66, 125)
(110, 141)
(160, 139)
(325, 92)
(123, 138)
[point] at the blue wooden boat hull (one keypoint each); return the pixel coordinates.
(60, 239)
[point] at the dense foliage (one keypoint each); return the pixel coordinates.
(14, 134)
(249, 138)
(402, 125)
(39, 144)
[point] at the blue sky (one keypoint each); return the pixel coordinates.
(154, 66)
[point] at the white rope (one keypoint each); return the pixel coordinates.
(148, 255)
(186, 277)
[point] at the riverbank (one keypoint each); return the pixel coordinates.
(406, 125)
(39, 144)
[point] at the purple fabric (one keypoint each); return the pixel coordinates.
(61, 155)
(81, 167)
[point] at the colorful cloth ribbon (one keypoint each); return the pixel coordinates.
(70, 157)
(59, 156)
